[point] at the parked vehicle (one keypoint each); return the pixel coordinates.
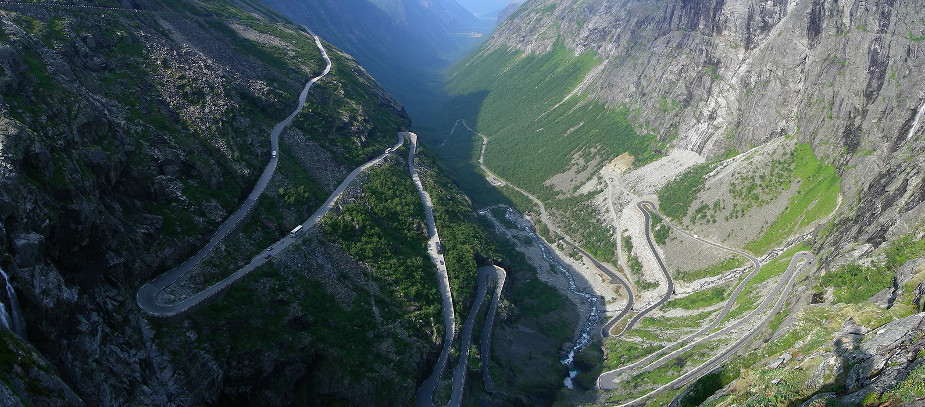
(296, 230)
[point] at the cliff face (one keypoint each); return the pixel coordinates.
(709, 98)
(742, 72)
(126, 137)
(721, 76)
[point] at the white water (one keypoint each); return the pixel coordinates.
(584, 338)
(4, 317)
(12, 319)
(915, 125)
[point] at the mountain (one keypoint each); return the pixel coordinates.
(132, 133)
(403, 43)
(769, 129)
(611, 202)
(508, 10)
(485, 8)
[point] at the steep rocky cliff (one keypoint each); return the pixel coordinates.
(720, 77)
(758, 125)
(128, 132)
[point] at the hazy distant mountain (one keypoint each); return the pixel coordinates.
(507, 11)
(485, 8)
(394, 39)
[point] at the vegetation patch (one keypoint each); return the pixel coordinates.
(579, 219)
(466, 245)
(620, 352)
(385, 230)
(526, 114)
(712, 271)
(762, 185)
(677, 196)
(811, 321)
(664, 322)
(660, 230)
(873, 278)
(777, 266)
(816, 197)
(700, 299)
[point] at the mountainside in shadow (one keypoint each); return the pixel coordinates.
(403, 43)
(130, 132)
(128, 136)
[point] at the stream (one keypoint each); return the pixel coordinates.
(584, 337)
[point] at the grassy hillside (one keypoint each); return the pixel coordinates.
(816, 198)
(534, 125)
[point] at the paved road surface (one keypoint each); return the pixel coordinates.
(730, 302)
(459, 374)
(642, 205)
(800, 261)
(425, 394)
(500, 276)
(147, 294)
(614, 279)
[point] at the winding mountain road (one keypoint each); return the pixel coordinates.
(459, 374)
(730, 302)
(615, 278)
(147, 294)
(425, 394)
(500, 276)
(641, 205)
(800, 261)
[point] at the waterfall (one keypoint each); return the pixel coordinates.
(11, 317)
(915, 124)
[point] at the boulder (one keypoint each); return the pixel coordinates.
(38, 159)
(905, 273)
(919, 297)
(26, 248)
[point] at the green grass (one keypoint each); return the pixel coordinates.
(777, 266)
(816, 197)
(521, 114)
(854, 283)
(714, 270)
(700, 299)
(620, 352)
(747, 301)
(663, 322)
(677, 196)
(642, 383)
(749, 298)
